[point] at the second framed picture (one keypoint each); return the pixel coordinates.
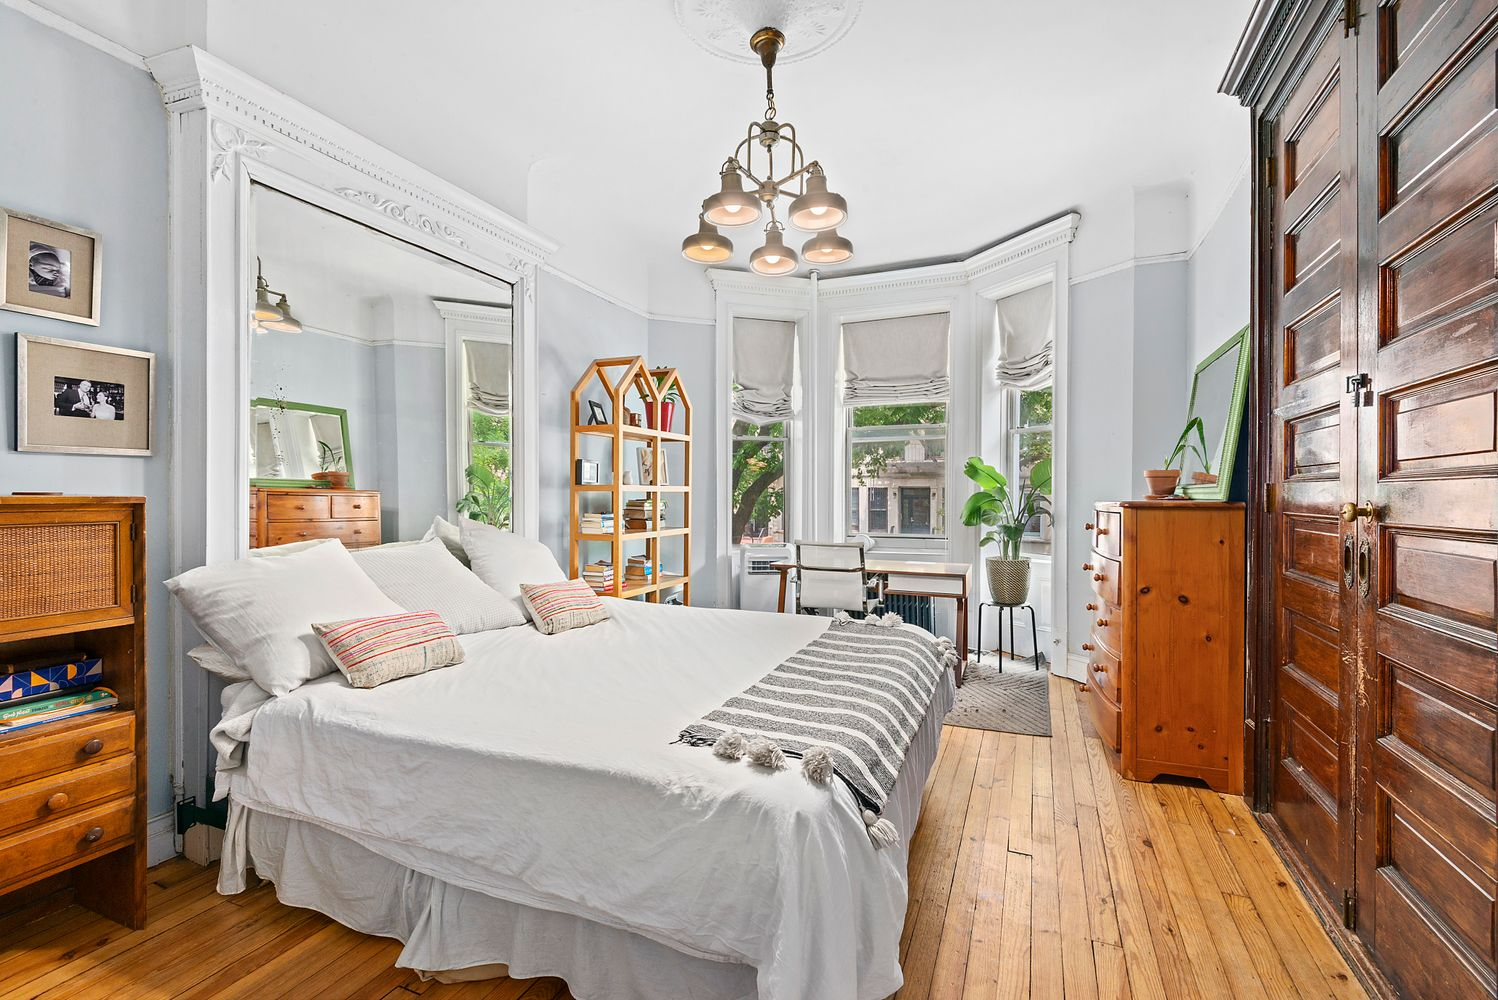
(83, 398)
(49, 268)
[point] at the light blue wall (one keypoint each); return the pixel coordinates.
(690, 348)
(84, 140)
(413, 391)
(1218, 278)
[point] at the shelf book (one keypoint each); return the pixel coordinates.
(632, 539)
(73, 705)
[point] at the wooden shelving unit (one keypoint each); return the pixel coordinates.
(627, 384)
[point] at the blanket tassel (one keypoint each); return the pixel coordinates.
(765, 753)
(816, 764)
(730, 746)
(882, 832)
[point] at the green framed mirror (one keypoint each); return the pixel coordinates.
(1219, 389)
(291, 441)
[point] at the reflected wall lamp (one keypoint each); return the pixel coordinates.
(276, 317)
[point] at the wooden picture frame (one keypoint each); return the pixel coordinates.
(49, 268)
(61, 379)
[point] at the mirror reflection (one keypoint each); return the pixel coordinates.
(376, 358)
(1218, 391)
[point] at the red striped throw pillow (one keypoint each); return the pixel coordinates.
(371, 651)
(556, 607)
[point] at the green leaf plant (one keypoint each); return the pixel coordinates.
(1184, 444)
(488, 496)
(1005, 512)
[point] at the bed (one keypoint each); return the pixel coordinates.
(528, 809)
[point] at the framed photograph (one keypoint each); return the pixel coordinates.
(596, 413)
(645, 459)
(586, 472)
(49, 269)
(84, 399)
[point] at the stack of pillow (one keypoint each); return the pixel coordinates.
(285, 615)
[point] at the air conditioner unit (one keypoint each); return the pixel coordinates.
(759, 583)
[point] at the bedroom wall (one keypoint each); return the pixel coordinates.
(690, 347)
(1219, 273)
(575, 327)
(85, 144)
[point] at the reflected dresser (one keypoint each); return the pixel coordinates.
(279, 516)
(72, 791)
(1164, 686)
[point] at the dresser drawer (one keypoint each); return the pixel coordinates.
(354, 534)
(66, 793)
(1106, 525)
(66, 841)
(1105, 717)
(355, 506)
(34, 753)
(1102, 576)
(1107, 628)
(1105, 671)
(304, 505)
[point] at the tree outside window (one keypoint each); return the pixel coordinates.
(897, 451)
(758, 483)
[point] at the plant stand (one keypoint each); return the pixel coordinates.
(1013, 651)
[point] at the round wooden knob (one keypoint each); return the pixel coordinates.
(1092, 607)
(1100, 668)
(1087, 566)
(1086, 647)
(1097, 576)
(57, 800)
(1087, 526)
(92, 747)
(1102, 623)
(93, 835)
(1102, 531)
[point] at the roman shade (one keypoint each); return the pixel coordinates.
(1026, 324)
(901, 360)
(764, 369)
(488, 376)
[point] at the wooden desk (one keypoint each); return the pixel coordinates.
(915, 579)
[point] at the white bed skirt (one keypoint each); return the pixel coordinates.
(447, 929)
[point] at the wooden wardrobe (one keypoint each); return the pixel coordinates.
(1374, 698)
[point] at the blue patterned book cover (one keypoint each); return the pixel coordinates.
(40, 681)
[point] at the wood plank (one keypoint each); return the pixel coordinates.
(1014, 946)
(981, 978)
(950, 970)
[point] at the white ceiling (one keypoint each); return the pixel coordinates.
(947, 124)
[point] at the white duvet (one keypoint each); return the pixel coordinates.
(542, 771)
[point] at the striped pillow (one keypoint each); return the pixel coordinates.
(371, 651)
(556, 607)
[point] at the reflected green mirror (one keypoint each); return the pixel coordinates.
(289, 442)
(1219, 390)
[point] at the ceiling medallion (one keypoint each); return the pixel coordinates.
(811, 26)
(813, 208)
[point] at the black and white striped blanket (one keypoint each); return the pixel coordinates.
(848, 703)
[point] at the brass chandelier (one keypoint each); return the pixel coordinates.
(813, 208)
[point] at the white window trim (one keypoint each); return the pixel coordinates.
(465, 321)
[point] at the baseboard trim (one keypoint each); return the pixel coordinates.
(161, 839)
(1076, 668)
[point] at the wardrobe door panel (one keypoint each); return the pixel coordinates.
(1310, 346)
(1427, 857)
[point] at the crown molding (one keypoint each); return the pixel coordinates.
(251, 118)
(473, 312)
(1264, 36)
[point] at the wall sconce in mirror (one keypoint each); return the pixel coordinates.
(270, 316)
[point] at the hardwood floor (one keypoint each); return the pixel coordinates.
(1036, 871)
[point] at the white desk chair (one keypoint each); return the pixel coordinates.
(830, 576)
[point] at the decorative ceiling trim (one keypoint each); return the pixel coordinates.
(810, 26)
(1264, 37)
(191, 79)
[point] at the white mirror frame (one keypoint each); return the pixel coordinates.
(227, 131)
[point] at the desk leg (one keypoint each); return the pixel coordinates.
(780, 605)
(961, 637)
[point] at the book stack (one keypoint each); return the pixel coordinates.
(638, 569)
(599, 575)
(638, 513)
(596, 523)
(35, 712)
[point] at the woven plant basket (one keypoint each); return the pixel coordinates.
(1008, 580)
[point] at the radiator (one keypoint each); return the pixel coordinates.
(912, 608)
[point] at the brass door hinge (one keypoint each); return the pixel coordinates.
(132, 531)
(1349, 909)
(1351, 15)
(1271, 167)
(133, 594)
(1269, 498)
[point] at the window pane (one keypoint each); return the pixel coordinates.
(903, 449)
(758, 490)
(488, 473)
(1035, 407)
(1033, 447)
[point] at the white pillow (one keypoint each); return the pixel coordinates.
(259, 612)
(426, 577)
(451, 537)
(217, 664)
(505, 560)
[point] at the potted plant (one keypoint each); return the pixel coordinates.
(328, 471)
(1006, 512)
(666, 418)
(488, 497)
(1162, 482)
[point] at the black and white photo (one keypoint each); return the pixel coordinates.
(49, 270)
(93, 398)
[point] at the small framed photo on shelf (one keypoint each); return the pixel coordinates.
(596, 413)
(49, 269)
(84, 399)
(652, 465)
(586, 472)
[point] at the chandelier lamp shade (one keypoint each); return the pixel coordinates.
(769, 164)
(270, 316)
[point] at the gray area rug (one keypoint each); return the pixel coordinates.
(1014, 702)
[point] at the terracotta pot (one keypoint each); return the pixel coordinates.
(1008, 580)
(333, 480)
(1203, 478)
(1162, 482)
(667, 417)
